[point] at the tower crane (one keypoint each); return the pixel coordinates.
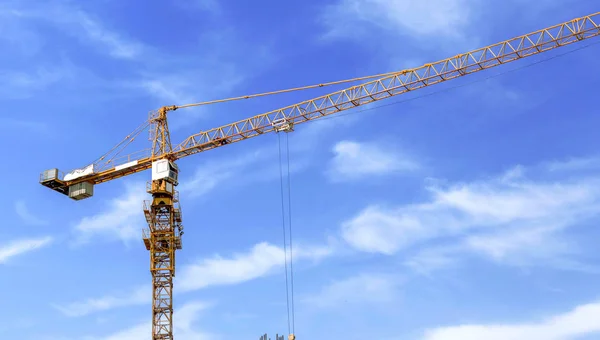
(163, 214)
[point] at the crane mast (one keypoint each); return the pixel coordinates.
(163, 215)
(163, 212)
(162, 239)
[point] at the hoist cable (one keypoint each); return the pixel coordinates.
(289, 182)
(287, 290)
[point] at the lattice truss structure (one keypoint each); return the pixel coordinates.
(162, 239)
(163, 214)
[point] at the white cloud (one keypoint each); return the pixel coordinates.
(20, 247)
(361, 289)
(122, 220)
(312, 132)
(90, 30)
(41, 77)
(260, 261)
(174, 79)
(574, 164)
(211, 174)
(576, 323)
(525, 210)
(140, 295)
(232, 170)
(447, 18)
(353, 160)
(26, 215)
(16, 34)
(260, 164)
(428, 260)
(34, 65)
(183, 326)
(167, 77)
(93, 31)
(79, 23)
(166, 91)
(382, 230)
(518, 245)
(527, 245)
(507, 243)
(24, 83)
(263, 259)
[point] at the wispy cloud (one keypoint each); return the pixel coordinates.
(137, 296)
(26, 215)
(522, 245)
(368, 288)
(498, 216)
(122, 217)
(169, 78)
(215, 172)
(16, 34)
(429, 260)
(121, 220)
(354, 160)
(37, 65)
(77, 22)
(447, 18)
(201, 76)
(164, 90)
(435, 19)
(261, 260)
(419, 28)
(515, 244)
(574, 164)
(91, 30)
(20, 247)
(187, 315)
(258, 165)
(21, 84)
(576, 323)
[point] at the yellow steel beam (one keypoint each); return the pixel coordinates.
(392, 85)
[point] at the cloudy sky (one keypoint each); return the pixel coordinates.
(467, 210)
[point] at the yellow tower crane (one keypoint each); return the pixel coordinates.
(163, 214)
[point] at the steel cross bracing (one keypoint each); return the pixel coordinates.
(162, 238)
(159, 132)
(163, 213)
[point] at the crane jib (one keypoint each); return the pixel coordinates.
(385, 87)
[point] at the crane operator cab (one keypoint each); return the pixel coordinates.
(166, 170)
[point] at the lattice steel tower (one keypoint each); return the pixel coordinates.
(162, 239)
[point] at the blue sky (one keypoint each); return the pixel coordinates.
(466, 213)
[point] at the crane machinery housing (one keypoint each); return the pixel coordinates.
(163, 214)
